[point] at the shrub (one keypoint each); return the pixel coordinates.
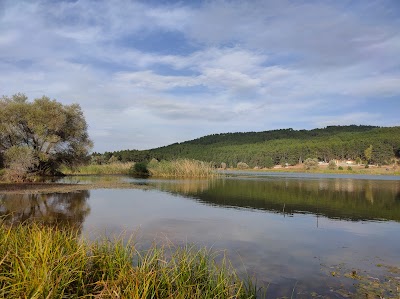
(20, 162)
(332, 165)
(269, 163)
(139, 169)
(366, 166)
(349, 168)
(340, 168)
(112, 160)
(311, 164)
(242, 165)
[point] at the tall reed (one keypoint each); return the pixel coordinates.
(112, 168)
(182, 168)
(44, 262)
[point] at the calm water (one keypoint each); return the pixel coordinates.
(287, 230)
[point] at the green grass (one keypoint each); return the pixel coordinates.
(46, 262)
(113, 168)
(182, 168)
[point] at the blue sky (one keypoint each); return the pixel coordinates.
(151, 73)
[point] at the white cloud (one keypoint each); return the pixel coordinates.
(246, 65)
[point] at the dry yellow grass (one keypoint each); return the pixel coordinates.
(182, 168)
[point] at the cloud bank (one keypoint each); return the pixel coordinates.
(150, 73)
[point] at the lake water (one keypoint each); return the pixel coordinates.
(291, 232)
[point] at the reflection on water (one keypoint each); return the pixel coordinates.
(285, 231)
(61, 209)
(334, 198)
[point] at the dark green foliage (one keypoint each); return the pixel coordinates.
(139, 169)
(340, 168)
(268, 163)
(269, 148)
(366, 166)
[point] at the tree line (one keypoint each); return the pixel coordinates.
(367, 144)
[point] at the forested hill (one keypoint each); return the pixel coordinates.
(255, 137)
(264, 149)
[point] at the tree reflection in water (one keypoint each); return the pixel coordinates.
(58, 209)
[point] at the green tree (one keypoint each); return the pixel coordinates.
(368, 154)
(139, 169)
(41, 135)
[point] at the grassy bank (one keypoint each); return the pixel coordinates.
(45, 262)
(182, 168)
(104, 169)
(177, 168)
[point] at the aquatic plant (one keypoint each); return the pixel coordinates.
(92, 169)
(44, 262)
(182, 168)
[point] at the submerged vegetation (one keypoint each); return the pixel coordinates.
(46, 262)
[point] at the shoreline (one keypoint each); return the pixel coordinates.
(35, 188)
(51, 187)
(356, 170)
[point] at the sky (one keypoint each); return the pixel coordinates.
(151, 73)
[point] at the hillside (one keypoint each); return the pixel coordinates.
(268, 148)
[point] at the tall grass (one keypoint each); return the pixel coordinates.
(112, 168)
(182, 168)
(45, 262)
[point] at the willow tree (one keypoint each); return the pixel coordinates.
(37, 137)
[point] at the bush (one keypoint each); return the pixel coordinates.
(112, 160)
(311, 164)
(332, 165)
(340, 168)
(366, 166)
(20, 162)
(139, 169)
(349, 168)
(242, 165)
(269, 163)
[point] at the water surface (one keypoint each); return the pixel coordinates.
(286, 231)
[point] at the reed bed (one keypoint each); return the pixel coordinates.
(45, 262)
(182, 168)
(104, 169)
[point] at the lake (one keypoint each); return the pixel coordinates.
(294, 233)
